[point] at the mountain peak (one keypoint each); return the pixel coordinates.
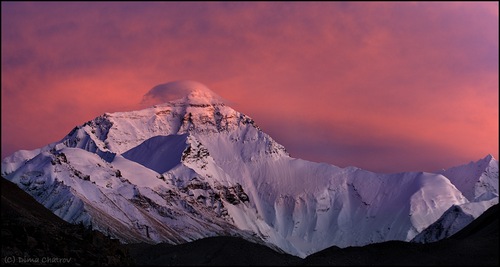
(489, 157)
(183, 91)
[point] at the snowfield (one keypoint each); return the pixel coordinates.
(193, 167)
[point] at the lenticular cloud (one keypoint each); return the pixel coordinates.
(193, 91)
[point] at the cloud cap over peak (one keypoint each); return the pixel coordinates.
(186, 91)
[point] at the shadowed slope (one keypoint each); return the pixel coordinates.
(159, 153)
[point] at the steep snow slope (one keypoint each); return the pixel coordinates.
(193, 167)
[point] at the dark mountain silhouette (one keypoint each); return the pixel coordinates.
(212, 251)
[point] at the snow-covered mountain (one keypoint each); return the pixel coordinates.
(194, 167)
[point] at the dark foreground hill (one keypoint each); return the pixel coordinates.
(31, 234)
(213, 251)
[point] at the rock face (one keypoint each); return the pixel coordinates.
(194, 167)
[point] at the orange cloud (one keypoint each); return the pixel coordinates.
(351, 83)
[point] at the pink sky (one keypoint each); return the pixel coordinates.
(387, 87)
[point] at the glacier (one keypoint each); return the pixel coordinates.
(193, 167)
